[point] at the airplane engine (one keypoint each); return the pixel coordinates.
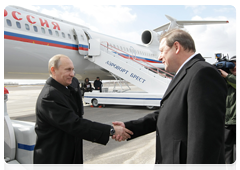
(150, 37)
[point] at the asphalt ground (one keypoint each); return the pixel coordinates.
(21, 106)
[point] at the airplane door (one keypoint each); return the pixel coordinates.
(82, 41)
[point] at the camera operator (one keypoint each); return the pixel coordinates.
(230, 117)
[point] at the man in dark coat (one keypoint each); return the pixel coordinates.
(60, 126)
(190, 122)
(98, 84)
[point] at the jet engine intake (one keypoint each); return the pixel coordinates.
(150, 37)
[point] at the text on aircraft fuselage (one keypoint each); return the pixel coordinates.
(31, 19)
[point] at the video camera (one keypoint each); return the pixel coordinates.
(223, 62)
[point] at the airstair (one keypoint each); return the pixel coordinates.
(124, 65)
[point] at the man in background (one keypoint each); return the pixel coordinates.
(98, 84)
(230, 119)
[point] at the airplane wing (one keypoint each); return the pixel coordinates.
(180, 24)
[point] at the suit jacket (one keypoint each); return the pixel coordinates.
(60, 126)
(190, 122)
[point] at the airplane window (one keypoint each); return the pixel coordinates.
(9, 23)
(121, 47)
(50, 31)
(74, 36)
(18, 24)
(43, 30)
(35, 28)
(63, 34)
(117, 47)
(57, 34)
(69, 36)
(27, 27)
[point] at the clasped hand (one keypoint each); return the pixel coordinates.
(121, 133)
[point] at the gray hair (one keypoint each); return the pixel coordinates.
(55, 62)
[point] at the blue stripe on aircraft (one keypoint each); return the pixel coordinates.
(38, 39)
(84, 46)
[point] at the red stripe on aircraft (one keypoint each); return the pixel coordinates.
(38, 42)
(82, 48)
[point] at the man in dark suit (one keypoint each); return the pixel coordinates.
(190, 122)
(98, 84)
(60, 126)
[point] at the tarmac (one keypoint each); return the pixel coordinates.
(21, 106)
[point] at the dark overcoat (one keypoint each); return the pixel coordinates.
(60, 126)
(190, 122)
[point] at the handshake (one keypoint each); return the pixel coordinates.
(121, 133)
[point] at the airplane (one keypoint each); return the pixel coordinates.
(32, 38)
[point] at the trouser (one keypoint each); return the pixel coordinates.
(230, 144)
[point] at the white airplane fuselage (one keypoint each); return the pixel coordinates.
(31, 39)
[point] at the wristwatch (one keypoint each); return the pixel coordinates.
(112, 131)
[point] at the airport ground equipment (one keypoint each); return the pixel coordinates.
(150, 100)
(153, 81)
(19, 138)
